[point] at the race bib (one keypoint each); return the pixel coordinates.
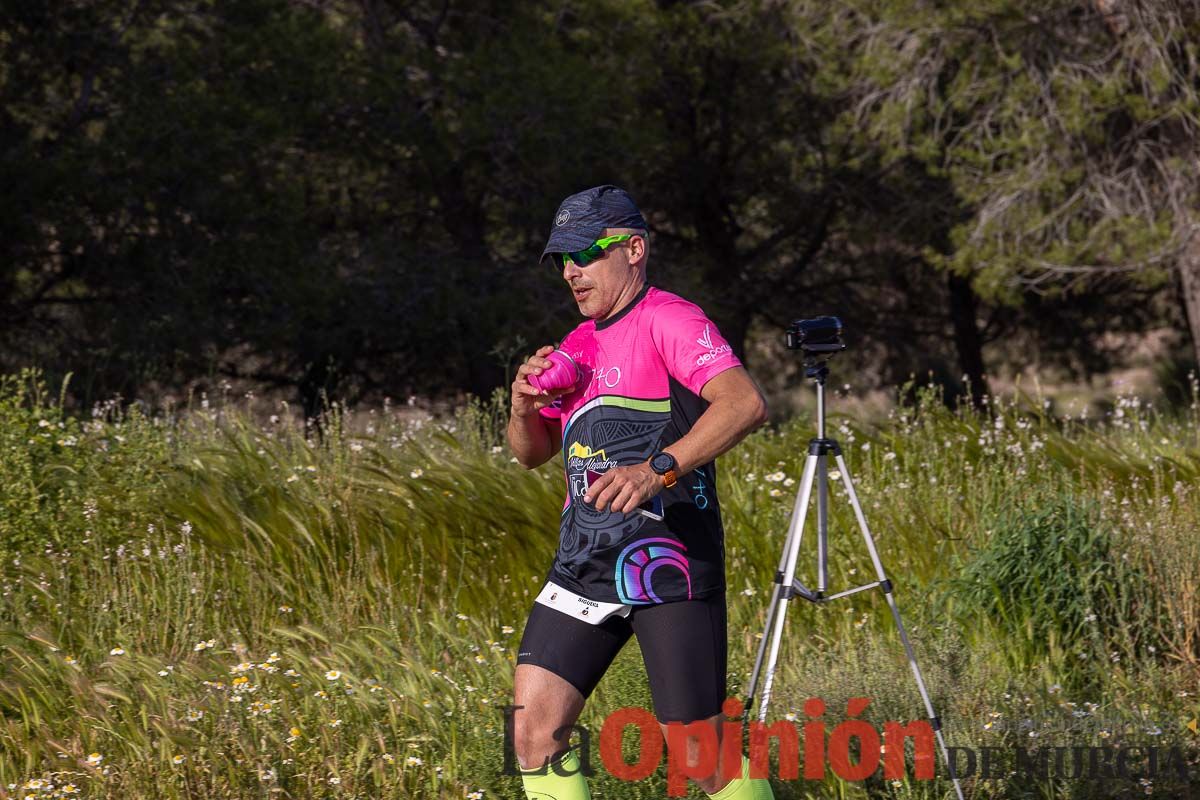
(581, 608)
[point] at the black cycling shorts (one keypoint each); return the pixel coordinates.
(683, 647)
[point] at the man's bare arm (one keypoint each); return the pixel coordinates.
(532, 438)
(736, 407)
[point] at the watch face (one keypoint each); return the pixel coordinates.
(662, 462)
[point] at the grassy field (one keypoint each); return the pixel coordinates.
(230, 603)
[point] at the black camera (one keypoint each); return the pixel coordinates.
(818, 336)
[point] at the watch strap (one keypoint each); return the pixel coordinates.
(669, 476)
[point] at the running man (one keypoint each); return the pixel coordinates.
(641, 547)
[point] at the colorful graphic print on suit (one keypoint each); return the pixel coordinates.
(643, 371)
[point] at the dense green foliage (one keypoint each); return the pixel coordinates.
(231, 601)
(349, 197)
(1053, 573)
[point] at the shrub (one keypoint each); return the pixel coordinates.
(1050, 574)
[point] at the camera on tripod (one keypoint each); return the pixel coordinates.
(818, 340)
(820, 336)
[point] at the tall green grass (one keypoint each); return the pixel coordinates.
(1052, 575)
(229, 602)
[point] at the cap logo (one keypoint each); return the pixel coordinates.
(562, 218)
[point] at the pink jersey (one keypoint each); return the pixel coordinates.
(643, 371)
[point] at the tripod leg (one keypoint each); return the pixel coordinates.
(793, 531)
(766, 635)
(822, 528)
(787, 590)
(886, 585)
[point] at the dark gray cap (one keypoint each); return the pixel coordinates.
(582, 218)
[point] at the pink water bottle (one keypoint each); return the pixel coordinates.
(565, 374)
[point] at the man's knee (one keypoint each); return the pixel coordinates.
(529, 744)
(538, 735)
(535, 742)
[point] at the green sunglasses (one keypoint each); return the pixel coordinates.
(590, 254)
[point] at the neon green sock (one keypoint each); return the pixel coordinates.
(745, 787)
(552, 786)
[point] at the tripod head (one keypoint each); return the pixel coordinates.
(816, 369)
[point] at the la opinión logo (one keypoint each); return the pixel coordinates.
(872, 749)
(853, 750)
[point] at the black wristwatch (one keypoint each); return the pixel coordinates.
(665, 464)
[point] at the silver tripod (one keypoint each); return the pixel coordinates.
(788, 587)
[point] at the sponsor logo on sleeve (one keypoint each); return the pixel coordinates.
(713, 353)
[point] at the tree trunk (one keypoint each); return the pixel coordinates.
(1189, 280)
(963, 306)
